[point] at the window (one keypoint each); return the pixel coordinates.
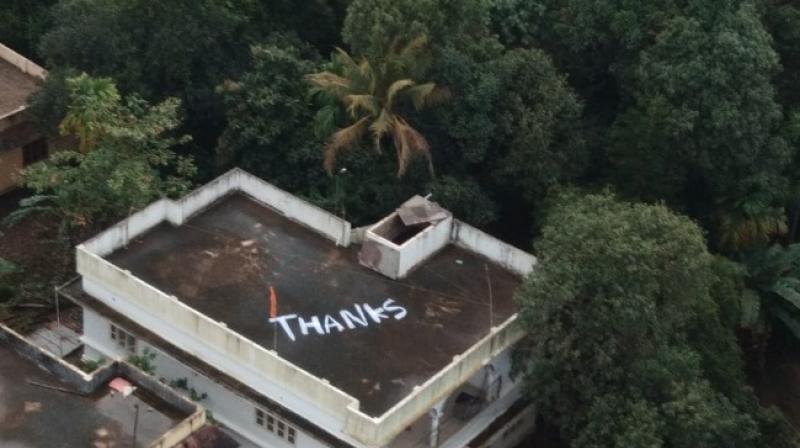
(34, 152)
(275, 425)
(123, 339)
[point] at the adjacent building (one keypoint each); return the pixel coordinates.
(20, 143)
(47, 402)
(295, 329)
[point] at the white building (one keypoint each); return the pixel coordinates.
(296, 330)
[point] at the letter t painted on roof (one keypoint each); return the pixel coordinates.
(284, 321)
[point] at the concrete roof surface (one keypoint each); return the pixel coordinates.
(32, 416)
(15, 86)
(223, 261)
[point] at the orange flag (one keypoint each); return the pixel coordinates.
(273, 303)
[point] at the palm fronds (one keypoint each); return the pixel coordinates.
(342, 140)
(373, 94)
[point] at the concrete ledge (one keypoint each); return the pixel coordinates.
(380, 431)
(504, 254)
(21, 62)
(236, 180)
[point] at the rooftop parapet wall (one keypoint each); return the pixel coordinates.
(504, 254)
(380, 431)
(250, 363)
(230, 352)
(26, 66)
(177, 212)
(21, 62)
(217, 344)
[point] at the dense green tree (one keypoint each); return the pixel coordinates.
(272, 133)
(7, 287)
(615, 312)
(703, 128)
(128, 159)
(773, 278)
(22, 24)
(782, 18)
(270, 120)
(373, 27)
(157, 50)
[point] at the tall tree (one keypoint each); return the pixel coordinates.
(372, 27)
(617, 313)
(128, 159)
(712, 135)
(375, 93)
(156, 50)
(270, 116)
(24, 22)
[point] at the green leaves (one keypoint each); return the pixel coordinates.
(125, 159)
(622, 326)
(372, 92)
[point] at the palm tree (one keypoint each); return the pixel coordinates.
(92, 101)
(749, 222)
(773, 294)
(374, 94)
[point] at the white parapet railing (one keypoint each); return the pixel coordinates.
(379, 431)
(21, 62)
(207, 339)
(334, 410)
(504, 254)
(236, 180)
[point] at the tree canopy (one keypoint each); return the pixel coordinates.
(125, 157)
(688, 110)
(614, 313)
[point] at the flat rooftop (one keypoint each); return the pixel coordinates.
(223, 261)
(33, 413)
(15, 87)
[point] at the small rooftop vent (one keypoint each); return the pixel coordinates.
(404, 239)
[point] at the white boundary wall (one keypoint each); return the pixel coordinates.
(177, 212)
(325, 405)
(380, 431)
(504, 254)
(21, 62)
(214, 343)
(26, 66)
(229, 407)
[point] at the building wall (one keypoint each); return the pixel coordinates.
(226, 405)
(10, 164)
(233, 355)
(21, 62)
(238, 412)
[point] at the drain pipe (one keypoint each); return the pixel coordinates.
(436, 415)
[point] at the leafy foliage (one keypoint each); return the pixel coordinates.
(774, 274)
(373, 94)
(24, 22)
(612, 314)
(7, 288)
(373, 27)
(270, 120)
(128, 160)
(144, 361)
